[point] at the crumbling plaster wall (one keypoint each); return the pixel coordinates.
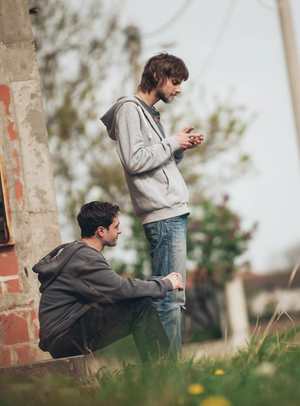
(29, 182)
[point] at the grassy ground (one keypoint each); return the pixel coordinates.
(266, 373)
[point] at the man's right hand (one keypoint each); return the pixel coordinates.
(187, 139)
(176, 280)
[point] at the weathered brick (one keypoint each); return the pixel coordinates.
(33, 314)
(13, 286)
(5, 357)
(19, 194)
(28, 305)
(35, 324)
(15, 328)
(31, 192)
(12, 133)
(8, 261)
(5, 97)
(36, 330)
(15, 163)
(25, 354)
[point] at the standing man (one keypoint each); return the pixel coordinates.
(157, 190)
(86, 306)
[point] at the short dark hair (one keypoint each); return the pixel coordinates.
(164, 66)
(95, 214)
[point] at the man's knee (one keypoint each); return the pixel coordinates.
(145, 301)
(145, 304)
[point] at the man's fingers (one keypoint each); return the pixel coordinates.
(187, 128)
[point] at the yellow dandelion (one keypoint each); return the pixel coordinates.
(195, 389)
(215, 401)
(219, 372)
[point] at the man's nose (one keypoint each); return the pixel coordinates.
(178, 89)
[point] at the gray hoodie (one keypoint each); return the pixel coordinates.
(149, 159)
(75, 275)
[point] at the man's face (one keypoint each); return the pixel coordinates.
(169, 90)
(110, 235)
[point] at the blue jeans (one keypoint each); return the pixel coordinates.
(168, 243)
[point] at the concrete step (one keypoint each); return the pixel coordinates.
(76, 368)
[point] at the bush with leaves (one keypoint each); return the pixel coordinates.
(215, 240)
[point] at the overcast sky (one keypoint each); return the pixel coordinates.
(249, 57)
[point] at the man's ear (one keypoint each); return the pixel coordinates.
(100, 230)
(159, 82)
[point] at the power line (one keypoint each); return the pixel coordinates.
(172, 20)
(220, 34)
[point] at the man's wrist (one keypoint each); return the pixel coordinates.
(169, 284)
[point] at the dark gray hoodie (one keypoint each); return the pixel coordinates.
(149, 159)
(75, 275)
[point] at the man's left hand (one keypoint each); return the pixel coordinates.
(196, 140)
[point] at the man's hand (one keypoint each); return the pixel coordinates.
(176, 280)
(187, 139)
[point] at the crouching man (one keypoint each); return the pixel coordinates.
(86, 306)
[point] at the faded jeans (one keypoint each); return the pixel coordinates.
(103, 325)
(168, 243)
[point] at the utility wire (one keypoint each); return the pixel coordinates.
(219, 36)
(172, 20)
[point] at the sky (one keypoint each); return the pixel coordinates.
(237, 44)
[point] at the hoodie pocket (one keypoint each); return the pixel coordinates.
(157, 189)
(177, 192)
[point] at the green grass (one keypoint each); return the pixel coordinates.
(266, 373)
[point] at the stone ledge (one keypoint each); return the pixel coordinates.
(76, 368)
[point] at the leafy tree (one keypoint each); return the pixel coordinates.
(215, 240)
(79, 50)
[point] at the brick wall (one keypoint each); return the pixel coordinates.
(28, 187)
(19, 327)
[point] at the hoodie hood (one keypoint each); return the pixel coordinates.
(49, 267)
(109, 118)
